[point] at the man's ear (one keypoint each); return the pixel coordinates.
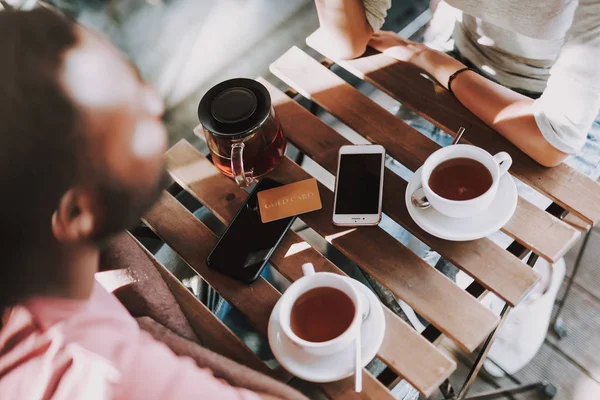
(74, 218)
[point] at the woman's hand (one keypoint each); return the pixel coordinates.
(437, 64)
(395, 46)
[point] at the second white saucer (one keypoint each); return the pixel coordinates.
(333, 367)
(463, 229)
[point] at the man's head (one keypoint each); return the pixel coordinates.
(82, 146)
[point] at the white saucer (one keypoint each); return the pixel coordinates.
(463, 229)
(335, 366)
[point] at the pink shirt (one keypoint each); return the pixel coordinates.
(93, 349)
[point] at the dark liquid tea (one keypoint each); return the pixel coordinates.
(262, 152)
(321, 314)
(460, 179)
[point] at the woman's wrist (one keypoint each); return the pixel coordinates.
(439, 65)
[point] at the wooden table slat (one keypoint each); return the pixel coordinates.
(444, 304)
(407, 84)
(554, 246)
(407, 353)
(344, 389)
(404, 143)
(577, 223)
(489, 264)
(192, 240)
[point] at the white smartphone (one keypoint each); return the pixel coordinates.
(359, 185)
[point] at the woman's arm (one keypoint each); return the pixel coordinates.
(346, 25)
(508, 112)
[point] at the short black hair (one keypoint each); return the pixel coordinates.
(41, 141)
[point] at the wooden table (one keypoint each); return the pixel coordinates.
(452, 311)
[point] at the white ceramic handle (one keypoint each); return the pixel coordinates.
(364, 304)
(308, 269)
(504, 161)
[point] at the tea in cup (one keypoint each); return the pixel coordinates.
(322, 312)
(461, 180)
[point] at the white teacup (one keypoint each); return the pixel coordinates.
(310, 281)
(497, 164)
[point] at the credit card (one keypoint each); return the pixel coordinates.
(292, 199)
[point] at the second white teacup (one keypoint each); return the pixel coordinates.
(312, 280)
(497, 165)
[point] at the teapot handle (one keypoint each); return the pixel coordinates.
(242, 178)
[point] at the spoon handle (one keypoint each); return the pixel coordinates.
(357, 364)
(459, 134)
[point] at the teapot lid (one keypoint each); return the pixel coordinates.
(235, 108)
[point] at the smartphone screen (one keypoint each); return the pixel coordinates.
(247, 244)
(358, 181)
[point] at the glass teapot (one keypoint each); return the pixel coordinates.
(242, 131)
